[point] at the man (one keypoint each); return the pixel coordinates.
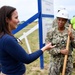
(72, 21)
(58, 36)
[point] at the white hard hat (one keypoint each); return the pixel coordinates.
(63, 14)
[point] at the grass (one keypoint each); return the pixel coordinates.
(34, 67)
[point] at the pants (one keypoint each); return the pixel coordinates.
(56, 66)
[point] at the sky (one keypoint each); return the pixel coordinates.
(27, 8)
(68, 4)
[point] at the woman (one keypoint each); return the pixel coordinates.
(12, 55)
(58, 36)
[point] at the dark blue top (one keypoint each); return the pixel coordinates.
(0, 67)
(13, 56)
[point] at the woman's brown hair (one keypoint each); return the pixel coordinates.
(5, 12)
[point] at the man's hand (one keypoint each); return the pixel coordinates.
(48, 46)
(64, 51)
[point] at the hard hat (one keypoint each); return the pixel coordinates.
(74, 26)
(63, 14)
(72, 20)
(61, 8)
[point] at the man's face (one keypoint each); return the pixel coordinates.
(61, 22)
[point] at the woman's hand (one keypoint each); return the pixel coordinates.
(64, 51)
(47, 47)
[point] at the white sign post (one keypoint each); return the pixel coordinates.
(46, 12)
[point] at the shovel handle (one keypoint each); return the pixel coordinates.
(66, 56)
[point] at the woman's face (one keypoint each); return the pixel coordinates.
(13, 22)
(61, 22)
